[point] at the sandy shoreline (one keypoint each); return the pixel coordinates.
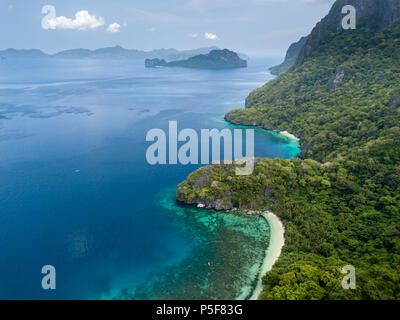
(289, 135)
(273, 251)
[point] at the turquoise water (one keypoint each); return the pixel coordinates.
(76, 191)
(226, 256)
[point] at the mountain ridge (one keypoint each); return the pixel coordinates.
(116, 52)
(374, 14)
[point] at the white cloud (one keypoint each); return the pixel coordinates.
(210, 36)
(193, 35)
(83, 21)
(151, 29)
(114, 27)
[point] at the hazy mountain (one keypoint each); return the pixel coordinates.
(9, 53)
(116, 52)
(290, 58)
(119, 52)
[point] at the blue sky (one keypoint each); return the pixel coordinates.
(255, 27)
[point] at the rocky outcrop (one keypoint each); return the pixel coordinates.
(339, 77)
(395, 101)
(203, 189)
(208, 204)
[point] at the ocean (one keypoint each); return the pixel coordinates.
(77, 193)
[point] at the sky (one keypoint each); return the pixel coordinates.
(254, 27)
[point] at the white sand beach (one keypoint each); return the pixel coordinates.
(289, 135)
(274, 249)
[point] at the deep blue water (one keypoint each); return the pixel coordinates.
(76, 191)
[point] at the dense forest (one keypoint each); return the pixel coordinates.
(339, 202)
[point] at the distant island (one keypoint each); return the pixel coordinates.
(216, 59)
(116, 52)
(119, 52)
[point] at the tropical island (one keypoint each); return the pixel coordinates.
(215, 59)
(339, 201)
